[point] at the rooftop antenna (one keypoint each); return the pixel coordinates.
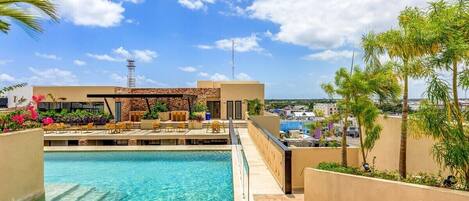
(131, 74)
(351, 66)
(232, 59)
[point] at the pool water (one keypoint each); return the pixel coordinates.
(286, 125)
(157, 175)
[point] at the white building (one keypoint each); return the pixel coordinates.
(327, 108)
(19, 97)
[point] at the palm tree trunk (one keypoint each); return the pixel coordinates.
(403, 146)
(344, 142)
(467, 179)
(456, 97)
(361, 139)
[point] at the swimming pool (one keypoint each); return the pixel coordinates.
(149, 175)
(286, 125)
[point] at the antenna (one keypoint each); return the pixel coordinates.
(131, 74)
(232, 59)
(351, 66)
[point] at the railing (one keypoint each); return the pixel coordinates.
(242, 162)
(277, 156)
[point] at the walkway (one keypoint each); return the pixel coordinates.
(262, 181)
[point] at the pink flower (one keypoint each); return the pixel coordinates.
(19, 119)
(6, 130)
(39, 98)
(47, 121)
(32, 111)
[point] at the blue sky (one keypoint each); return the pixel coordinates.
(291, 46)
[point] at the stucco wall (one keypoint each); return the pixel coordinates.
(76, 94)
(330, 186)
(21, 165)
(307, 157)
(240, 92)
(268, 121)
(386, 150)
(273, 156)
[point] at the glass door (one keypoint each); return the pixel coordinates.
(229, 109)
(238, 110)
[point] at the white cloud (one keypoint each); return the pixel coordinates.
(243, 76)
(195, 4)
(328, 24)
(329, 55)
(6, 78)
(204, 47)
(104, 57)
(219, 77)
(241, 44)
(134, 1)
(140, 79)
(79, 62)
(121, 54)
(5, 61)
(144, 55)
(47, 56)
(97, 13)
(52, 76)
(188, 69)
(204, 74)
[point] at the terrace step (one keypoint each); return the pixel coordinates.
(77, 194)
(94, 196)
(56, 191)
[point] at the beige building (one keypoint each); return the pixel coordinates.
(327, 108)
(224, 99)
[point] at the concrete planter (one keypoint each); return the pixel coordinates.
(195, 124)
(147, 124)
(323, 185)
(200, 114)
(164, 116)
(22, 165)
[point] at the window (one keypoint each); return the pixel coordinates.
(72, 106)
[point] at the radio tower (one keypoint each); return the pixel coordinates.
(131, 73)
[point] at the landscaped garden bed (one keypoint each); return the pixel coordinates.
(421, 178)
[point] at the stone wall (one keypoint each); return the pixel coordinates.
(136, 104)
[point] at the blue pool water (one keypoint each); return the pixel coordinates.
(287, 125)
(158, 175)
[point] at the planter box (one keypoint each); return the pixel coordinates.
(195, 125)
(147, 124)
(323, 185)
(163, 116)
(22, 165)
(200, 114)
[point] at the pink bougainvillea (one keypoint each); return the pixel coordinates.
(19, 119)
(46, 121)
(6, 130)
(33, 113)
(38, 98)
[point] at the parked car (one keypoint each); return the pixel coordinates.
(353, 131)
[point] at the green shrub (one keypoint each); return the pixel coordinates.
(420, 178)
(199, 107)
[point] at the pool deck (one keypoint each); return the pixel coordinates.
(137, 134)
(141, 148)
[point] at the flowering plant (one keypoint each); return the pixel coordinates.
(23, 118)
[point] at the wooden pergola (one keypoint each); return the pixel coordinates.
(188, 97)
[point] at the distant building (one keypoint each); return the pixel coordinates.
(18, 97)
(327, 108)
(303, 115)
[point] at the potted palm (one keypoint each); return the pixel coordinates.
(196, 121)
(199, 110)
(162, 110)
(148, 118)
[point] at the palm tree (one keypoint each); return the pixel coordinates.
(16, 10)
(405, 46)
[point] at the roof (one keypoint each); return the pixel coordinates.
(139, 95)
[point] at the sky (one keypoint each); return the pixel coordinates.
(292, 46)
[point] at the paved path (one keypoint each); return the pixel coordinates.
(262, 181)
